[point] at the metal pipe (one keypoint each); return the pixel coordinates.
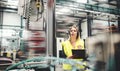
(49, 31)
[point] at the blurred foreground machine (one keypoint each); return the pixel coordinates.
(104, 50)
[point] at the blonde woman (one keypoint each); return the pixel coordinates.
(73, 42)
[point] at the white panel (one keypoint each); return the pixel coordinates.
(11, 19)
(84, 30)
(59, 46)
(36, 24)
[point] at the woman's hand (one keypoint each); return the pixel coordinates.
(71, 57)
(79, 47)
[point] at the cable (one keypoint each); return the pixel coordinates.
(40, 8)
(51, 62)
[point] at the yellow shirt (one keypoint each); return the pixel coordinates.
(68, 50)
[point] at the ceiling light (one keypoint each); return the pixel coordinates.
(102, 0)
(13, 2)
(65, 10)
(81, 1)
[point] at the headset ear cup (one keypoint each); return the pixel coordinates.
(68, 32)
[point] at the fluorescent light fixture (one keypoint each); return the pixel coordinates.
(65, 10)
(102, 0)
(80, 1)
(13, 2)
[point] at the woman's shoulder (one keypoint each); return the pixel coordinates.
(65, 42)
(80, 41)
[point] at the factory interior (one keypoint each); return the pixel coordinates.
(32, 32)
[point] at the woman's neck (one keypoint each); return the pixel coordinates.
(72, 40)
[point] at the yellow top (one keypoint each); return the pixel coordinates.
(67, 47)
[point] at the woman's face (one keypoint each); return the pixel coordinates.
(73, 32)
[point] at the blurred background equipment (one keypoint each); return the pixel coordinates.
(37, 28)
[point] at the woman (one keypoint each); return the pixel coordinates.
(74, 42)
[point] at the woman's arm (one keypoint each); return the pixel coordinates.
(66, 49)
